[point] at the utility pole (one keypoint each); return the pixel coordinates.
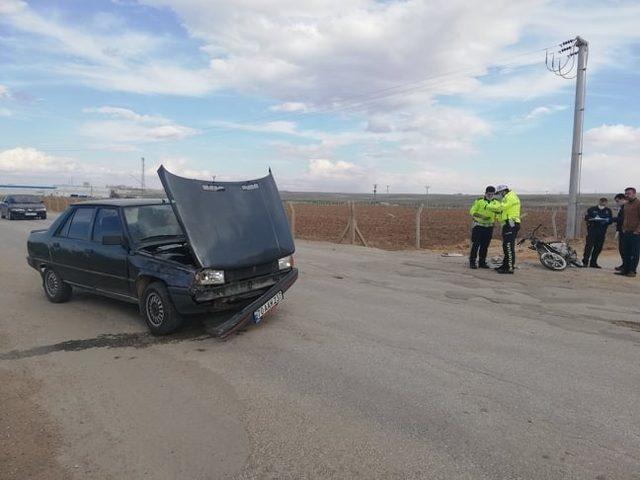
(427, 187)
(142, 177)
(577, 47)
(375, 192)
(387, 190)
(573, 227)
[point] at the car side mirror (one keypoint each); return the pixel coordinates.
(113, 240)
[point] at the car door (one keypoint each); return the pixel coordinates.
(109, 263)
(71, 247)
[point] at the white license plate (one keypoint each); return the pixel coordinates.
(30, 214)
(269, 304)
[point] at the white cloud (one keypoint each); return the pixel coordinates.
(543, 111)
(614, 137)
(4, 92)
(21, 160)
(611, 158)
(289, 107)
(126, 126)
(5, 112)
(179, 166)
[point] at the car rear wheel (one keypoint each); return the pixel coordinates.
(158, 310)
(56, 290)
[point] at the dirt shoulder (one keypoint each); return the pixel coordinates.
(28, 437)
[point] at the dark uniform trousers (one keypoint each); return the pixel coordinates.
(593, 245)
(480, 240)
(509, 234)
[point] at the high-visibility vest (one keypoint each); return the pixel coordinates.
(480, 214)
(507, 209)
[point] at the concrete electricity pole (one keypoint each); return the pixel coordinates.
(427, 187)
(577, 47)
(142, 177)
(573, 225)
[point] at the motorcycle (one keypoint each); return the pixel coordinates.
(555, 255)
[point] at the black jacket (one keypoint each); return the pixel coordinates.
(619, 219)
(598, 220)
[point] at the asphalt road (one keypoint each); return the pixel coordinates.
(377, 365)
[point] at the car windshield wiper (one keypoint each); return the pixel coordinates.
(160, 237)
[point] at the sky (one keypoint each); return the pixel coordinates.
(331, 95)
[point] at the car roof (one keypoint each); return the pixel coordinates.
(122, 202)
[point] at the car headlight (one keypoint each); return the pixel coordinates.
(210, 277)
(17, 209)
(42, 209)
(286, 262)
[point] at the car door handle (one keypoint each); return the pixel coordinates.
(55, 244)
(88, 251)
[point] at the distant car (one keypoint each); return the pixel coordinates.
(14, 207)
(213, 246)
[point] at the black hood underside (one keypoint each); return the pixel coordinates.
(230, 224)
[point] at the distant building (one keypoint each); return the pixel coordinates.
(82, 191)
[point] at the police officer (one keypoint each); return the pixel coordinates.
(598, 219)
(482, 230)
(507, 207)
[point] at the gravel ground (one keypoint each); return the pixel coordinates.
(377, 365)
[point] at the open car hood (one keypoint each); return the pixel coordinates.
(230, 224)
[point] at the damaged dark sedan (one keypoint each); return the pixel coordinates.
(209, 247)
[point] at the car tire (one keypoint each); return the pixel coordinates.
(158, 310)
(10, 217)
(55, 289)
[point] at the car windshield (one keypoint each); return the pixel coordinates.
(24, 199)
(151, 222)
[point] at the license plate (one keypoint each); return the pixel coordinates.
(30, 214)
(269, 304)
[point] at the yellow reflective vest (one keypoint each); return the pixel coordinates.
(507, 209)
(480, 214)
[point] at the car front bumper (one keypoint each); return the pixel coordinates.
(185, 304)
(36, 214)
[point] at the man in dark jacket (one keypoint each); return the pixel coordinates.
(598, 219)
(619, 220)
(630, 234)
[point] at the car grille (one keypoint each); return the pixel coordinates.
(249, 272)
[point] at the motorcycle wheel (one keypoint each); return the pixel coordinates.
(553, 261)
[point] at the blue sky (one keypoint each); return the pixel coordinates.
(332, 95)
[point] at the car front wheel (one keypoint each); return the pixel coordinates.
(158, 310)
(56, 290)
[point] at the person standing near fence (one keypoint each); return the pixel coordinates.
(482, 230)
(619, 219)
(508, 211)
(630, 234)
(598, 219)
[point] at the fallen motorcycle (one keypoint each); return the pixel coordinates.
(553, 255)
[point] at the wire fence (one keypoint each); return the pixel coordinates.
(393, 227)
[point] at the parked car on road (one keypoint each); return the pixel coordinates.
(211, 247)
(22, 206)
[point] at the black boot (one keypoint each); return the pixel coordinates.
(483, 265)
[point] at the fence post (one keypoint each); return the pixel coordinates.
(418, 221)
(553, 223)
(293, 219)
(353, 223)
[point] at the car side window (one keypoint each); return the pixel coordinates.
(80, 225)
(107, 223)
(63, 230)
